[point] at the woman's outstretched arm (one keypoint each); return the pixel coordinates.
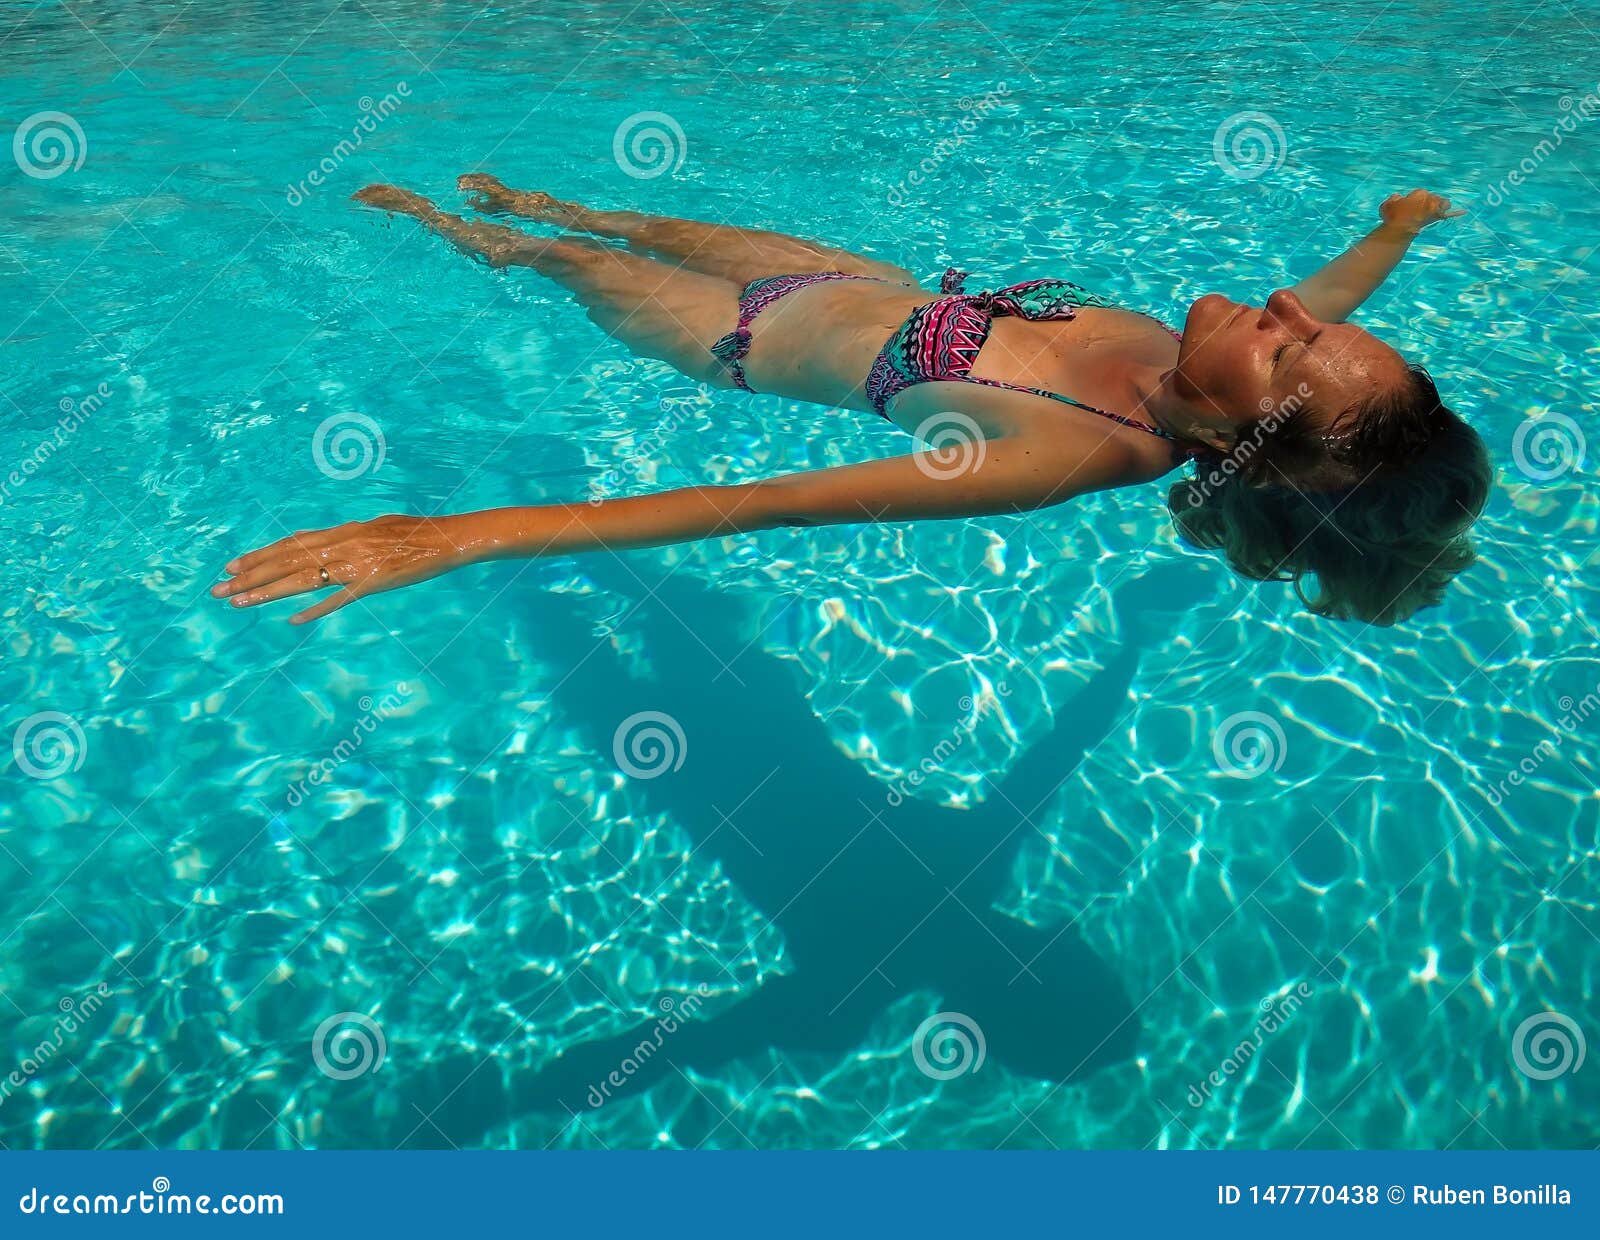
(977, 477)
(1335, 291)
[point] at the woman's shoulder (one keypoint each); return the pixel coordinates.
(946, 411)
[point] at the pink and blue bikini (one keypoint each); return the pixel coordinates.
(939, 341)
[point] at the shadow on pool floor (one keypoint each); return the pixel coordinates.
(875, 901)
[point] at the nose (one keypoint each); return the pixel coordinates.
(1285, 308)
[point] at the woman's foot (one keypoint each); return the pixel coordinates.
(393, 199)
(494, 244)
(491, 196)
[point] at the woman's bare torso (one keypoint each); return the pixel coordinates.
(818, 344)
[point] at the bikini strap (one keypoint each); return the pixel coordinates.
(1119, 418)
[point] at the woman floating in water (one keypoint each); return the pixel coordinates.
(1319, 451)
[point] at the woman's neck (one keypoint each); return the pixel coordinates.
(1163, 406)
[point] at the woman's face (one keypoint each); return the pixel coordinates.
(1238, 364)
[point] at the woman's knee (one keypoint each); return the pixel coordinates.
(556, 257)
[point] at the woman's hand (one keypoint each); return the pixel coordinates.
(361, 557)
(1411, 213)
(1334, 292)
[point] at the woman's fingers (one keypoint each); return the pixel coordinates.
(1418, 209)
(327, 606)
(300, 581)
(259, 575)
(360, 557)
(260, 555)
(302, 544)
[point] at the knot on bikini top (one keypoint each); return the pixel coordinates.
(1023, 302)
(1032, 299)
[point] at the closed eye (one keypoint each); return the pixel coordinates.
(1277, 354)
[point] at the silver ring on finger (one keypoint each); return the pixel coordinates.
(326, 579)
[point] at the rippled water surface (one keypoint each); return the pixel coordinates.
(1273, 881)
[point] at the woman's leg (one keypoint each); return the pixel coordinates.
(737, 254)
(655, 309)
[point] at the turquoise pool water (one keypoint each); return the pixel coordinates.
(424, 874)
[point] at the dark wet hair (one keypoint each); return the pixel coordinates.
(1373, 504)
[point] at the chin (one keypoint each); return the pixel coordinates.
(1207, 311)
(1195, 358)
